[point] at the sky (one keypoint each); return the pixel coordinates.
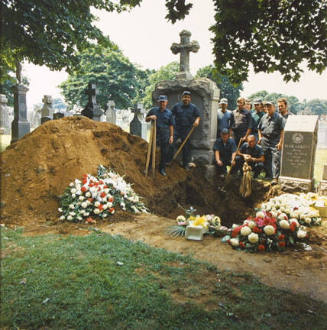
(145, 37)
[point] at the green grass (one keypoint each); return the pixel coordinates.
(58, 282)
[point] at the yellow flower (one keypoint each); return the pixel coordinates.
(191, 218)
(200, 221)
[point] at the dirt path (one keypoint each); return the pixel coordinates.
(299, 271)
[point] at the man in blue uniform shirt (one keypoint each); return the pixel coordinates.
(252, 154)
(283, 108)
(257, 114)
(165, 130)
(271, 136)
(186, 115)
(225, 152)
(242, 121)
(225, 117)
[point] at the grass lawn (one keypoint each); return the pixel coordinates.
(101, 281)
(320, 161)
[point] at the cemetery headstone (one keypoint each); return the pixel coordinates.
(138, 126)
(46, 111)
(322, 189)
(92, 109)
(298, 153)
(111, 112)
(19, 126)
(58, 115)
(3, 112)
(205, 96)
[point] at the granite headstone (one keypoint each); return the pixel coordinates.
(298, 153)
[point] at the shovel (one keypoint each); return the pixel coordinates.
(183, 143)
(227, 180)
(151, 148)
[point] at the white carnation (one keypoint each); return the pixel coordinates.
(282, 216)
(260, 214)
(60, 209)
(81, 198)
(96, 211)
(73, 195)
(71, 206)
(180, 218)
(71, 184)
(284, 224)
(234, 242)
(73, 191)
(96, 204)
(269, 230)
(88, 194)
(69, 218)
(307, 220)
(301, 233)
(62, 217)
(250, 223)
(84, 205)
(253, 238)
(245, 231)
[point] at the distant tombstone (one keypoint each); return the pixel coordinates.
(298, 153)
(205, 96)
(92, 109)
(58, 115)
(46, 110)
(111, 115)
(138, 126)
(3, 112)
(20, 126)
(322, 188)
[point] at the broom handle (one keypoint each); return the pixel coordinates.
(238, 147)
(154, 145)
(182, 145)
(148, 156)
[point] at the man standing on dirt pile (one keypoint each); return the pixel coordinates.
(186, 115)
(165, 130)
(271, 136)
(225, 152)
(252, 154)
(242, 122)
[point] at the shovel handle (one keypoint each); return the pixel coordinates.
(148, 156)
(182, 145)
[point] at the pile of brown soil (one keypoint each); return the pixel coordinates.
(36, 170)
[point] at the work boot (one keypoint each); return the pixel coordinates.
(163, 172)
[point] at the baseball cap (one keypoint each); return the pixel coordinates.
(268, 103)
(223, 101)
(224, 131)
(186, 93)
(257, 101)
(162, 98)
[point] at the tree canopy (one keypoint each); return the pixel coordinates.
(227, 89)
(47, 32)
(115, 76)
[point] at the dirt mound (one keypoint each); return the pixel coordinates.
(36, 170)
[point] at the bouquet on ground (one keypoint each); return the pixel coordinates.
(264, 232)
(210, 223)
(98, 197)
(299, 207)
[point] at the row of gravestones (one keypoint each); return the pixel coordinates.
(132, 121)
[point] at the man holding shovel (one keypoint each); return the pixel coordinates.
(186, 115)
(165, 130)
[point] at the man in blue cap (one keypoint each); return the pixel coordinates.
(271, 137)
(165, 130)
(225, 152)
(256, 116)
(186, 115)
(225, 117)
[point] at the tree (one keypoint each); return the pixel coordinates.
(50, 32)
(272, 35)
(227, 89)
(317, 107)
(115, 76)
(167, 72)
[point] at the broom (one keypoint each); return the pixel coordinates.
(246, 184)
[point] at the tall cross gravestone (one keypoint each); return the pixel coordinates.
(138, 126)
(3, 112)
(19, 126)
(92, 109)
(184, 48)
(298, 153)
(46, 110)
(205, 95)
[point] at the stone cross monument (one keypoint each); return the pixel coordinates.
(46, 110)
(92, 110)
(138, 126)
(184, 48)
(205, 95)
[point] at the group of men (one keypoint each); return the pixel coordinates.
(173, 125)
(257, 137)
(243, 135)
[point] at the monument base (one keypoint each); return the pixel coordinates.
(210, 172)
(322, 189)
(19, 129)
(289, 184)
